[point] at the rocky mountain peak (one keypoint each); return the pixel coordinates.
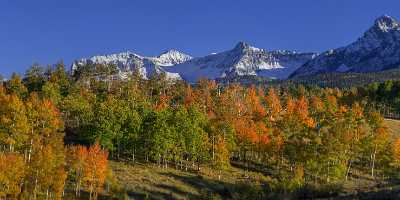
(243, 46)
(171, 52)
(377, 50)
(172, 57)
(386, 23)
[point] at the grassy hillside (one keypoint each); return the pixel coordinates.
(393, 126)
(149, 181)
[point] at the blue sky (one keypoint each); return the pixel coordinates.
(46, 31)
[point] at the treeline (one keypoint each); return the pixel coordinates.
(384, 96)
(332, 80)
(301, 136)
(346, 80)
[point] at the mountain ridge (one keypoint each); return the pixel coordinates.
(376, 50)
(243, 59)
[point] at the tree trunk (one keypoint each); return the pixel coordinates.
(327, 175)
(118, 148)
(30, 151)
(198, 165)
(373, 156)
(213, 149)
(133, 156)
(159, 160)
(36, 184)
(91, 193)
(348, 170)
(78, 187)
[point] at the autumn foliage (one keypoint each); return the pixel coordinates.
(12, 174)
(300, 135)
(95, 169)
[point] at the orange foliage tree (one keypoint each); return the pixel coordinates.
(396, 152)
(12, 172)
(95, 170)
(76, 162)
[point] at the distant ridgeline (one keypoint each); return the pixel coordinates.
(332, 80)
(347, 80)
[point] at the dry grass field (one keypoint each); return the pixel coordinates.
(152, 182)
(393, 127)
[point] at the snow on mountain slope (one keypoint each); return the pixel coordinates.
(242, 60)
(171, 57)
(378, 49)
(127, 62)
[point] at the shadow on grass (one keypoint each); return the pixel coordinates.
(150, 195)
(254, 167)
(70, 195)
(203, 185)
(381, 194)
(194, 185)
(161, 190)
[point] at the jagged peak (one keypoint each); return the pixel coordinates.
(241, 46)
(386, 23)
(172, 52)
(171, 57)
(120, 54)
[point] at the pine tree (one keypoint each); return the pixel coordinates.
(35, 78)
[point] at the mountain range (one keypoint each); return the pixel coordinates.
(377, 50)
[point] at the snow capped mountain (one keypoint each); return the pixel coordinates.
(378, 49)
(171, 57)
(127, 62)
(243, 59)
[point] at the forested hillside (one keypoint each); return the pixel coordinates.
(59, 131)
(379, 90)
(340, 80)
(348, 80)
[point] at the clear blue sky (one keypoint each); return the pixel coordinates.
(46, 31)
